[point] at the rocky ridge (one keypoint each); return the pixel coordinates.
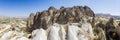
(79, 23)
(71, 23)
(48, 17)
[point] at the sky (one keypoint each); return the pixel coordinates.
(18, 8)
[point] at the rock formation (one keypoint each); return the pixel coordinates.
(62, 16)
(109, 29)
(77, 23)
(72, 23)
(30, 21)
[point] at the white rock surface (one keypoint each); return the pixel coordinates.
(54, 33)
(23, 38)
(88, 28)
(76, 33)
(4, 27)
(40, 34)
(62, 33)
(19, 36)
(72, 32)
(6, 36)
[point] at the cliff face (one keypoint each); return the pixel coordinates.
(63, 15)
(72, 23)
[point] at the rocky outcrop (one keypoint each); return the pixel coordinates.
(73, 23)
(62, 16)
(30, 21)
(80, 24)
(110, 29)
(77, 22)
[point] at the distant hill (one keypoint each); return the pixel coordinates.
(107, 16)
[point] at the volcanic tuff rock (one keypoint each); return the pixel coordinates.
(79, 23)
(107, 29)
(13, 29)
(63, 15)
(72, 23)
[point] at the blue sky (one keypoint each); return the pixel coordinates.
(25, 7)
